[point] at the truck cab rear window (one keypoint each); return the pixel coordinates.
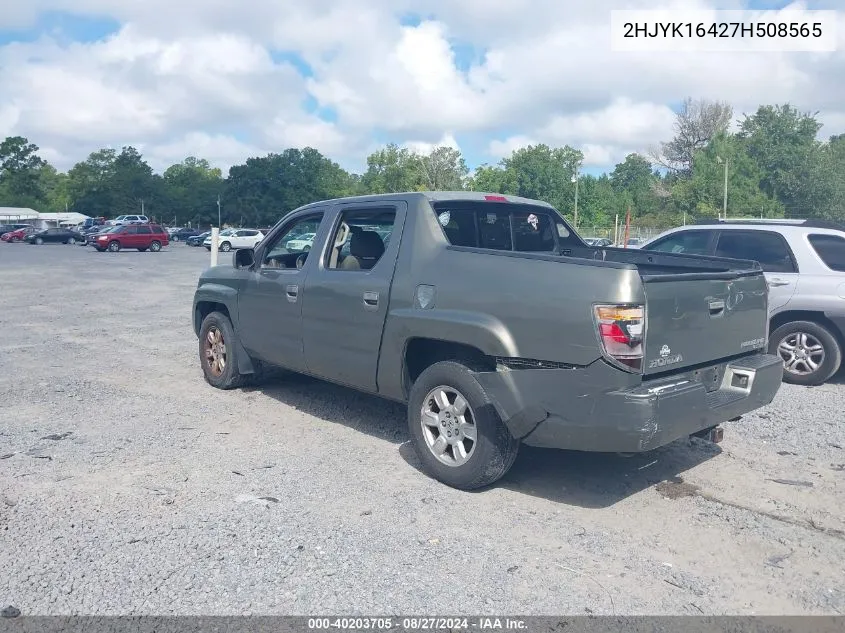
(500, 226)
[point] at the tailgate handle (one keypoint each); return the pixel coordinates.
(717, 308)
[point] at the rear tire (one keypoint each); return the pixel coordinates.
(466, 465)
(811, 353)
(155, 246)
(39, 241)
(216, 343)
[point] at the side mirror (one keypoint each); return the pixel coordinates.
(244, 258)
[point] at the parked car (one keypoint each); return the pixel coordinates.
(622, 351)
(235, 238)
(128, 219)
(197, 240)
(598, 241)
(804, 262)
(180, 235)
(135, 236)
(9, 228)
(18, 235)
(302, 243)
(55, 236)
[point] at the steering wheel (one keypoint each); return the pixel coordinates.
(300, 261)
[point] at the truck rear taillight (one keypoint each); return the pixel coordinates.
(621, 329)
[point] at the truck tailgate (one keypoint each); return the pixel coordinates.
(693, 319)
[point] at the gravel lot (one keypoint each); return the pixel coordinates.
(130, 486)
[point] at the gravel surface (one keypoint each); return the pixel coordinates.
(130, 486)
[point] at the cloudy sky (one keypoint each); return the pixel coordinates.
(226, 80)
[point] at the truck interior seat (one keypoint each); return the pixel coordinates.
(365, 249)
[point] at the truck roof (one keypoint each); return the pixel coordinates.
(432, 196)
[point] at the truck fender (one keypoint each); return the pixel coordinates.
(227, 297)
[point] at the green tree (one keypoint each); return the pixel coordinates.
(89, 184)
(392, 169)
(264, 189)
(704, 193)
(191, 189)
(20, 173)
(782, 141)
(443, 169)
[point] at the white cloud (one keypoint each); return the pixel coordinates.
(501, 149)
(194, 77)
(424, 147)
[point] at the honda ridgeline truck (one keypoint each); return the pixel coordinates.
(496, 324)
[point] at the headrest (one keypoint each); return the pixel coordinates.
(366, 244)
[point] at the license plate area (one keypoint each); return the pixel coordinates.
(709, 377)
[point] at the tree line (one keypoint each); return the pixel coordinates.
(771, 164)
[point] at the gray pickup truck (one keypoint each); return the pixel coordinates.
(496, 324)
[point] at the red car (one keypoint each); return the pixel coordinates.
(18, 235)
(138, 236)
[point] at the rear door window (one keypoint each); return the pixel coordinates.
(144, 230)
(830, 249)
(684, 242)
(503, 226)
(766, 247)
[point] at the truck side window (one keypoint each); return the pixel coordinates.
(770, 249)
(361, 238)
(288, 245)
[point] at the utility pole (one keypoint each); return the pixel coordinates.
(142, 206)
(725, 196)
(575, 180)
(218, 211)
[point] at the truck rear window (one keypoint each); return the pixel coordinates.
(830, 249)
(503, 226)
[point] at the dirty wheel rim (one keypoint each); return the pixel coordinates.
(214, 349)
(448, 426)
(802, 353)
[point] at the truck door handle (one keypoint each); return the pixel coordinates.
(778, 282)
(370, 300)
(717, 308)
(292, 292)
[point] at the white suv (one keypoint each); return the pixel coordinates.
(235, 238)
(129, 219)
(804, 263)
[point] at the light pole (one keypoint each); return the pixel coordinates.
(575, 180)
(218, 210)
(725, 195)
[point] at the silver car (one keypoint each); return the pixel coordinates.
(804, 262)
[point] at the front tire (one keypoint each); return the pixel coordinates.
(114, 246)
(225, 247)
(218, 354)
(811, 353)
(71, 241)
(39, 241)
(457, 433)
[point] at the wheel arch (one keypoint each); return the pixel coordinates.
(789, 316)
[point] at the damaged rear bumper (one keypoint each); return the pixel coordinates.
(575, 409)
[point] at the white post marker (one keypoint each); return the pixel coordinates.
(215, 244)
